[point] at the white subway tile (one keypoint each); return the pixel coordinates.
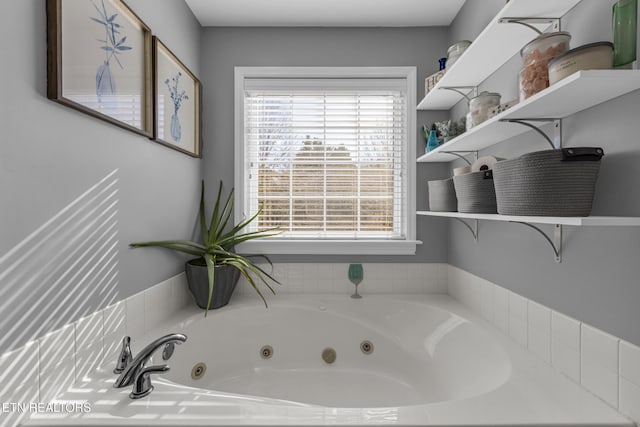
(600, 348)
(325, 271)
(517, 306)
(565, 331)
(539, 344)
(26, 393)
(486, 297)
(326, 286)
(539, 317)
(630, 362)
(115, 319)
(157, 304)
(501, 308)
(111, 350)
(89, 331)
(539, 332)
(56, 381)
(599, 380)
(518, 330)
(415, 282)
(180, 294)
(296, 272)
(518, 318)
(566, 360)
(280, 271)
(372, 285)
(17, 368)
(630, 399)
(400, 278)
(87, 361)
(56, 348)
(135, 315)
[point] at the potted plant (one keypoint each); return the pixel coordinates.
(213, 274)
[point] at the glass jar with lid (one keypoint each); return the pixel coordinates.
(480, 106)
(536, 55)
(455, 51)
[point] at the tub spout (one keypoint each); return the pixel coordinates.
(133, 370)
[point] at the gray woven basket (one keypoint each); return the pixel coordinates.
(548, 183)
(442, 196)
(475, 192)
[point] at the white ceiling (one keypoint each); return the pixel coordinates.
(325, 13)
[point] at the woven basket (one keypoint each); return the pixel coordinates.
(475, 192)
(442, 196)
(548, 183)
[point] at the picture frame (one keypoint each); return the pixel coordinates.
(99, 62)
(177, 102)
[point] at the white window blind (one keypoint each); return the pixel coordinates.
(327, 156)
(326, 159)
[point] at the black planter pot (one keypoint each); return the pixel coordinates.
(225, 281)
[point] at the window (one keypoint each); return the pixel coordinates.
(327, 155)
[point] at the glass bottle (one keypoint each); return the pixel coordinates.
(625, 21)
(432, 141)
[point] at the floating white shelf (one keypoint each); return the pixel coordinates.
(493, 48)
(591, 221)
(579, 91)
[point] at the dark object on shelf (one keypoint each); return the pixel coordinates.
(548, 183)
(442, 196)
(475, 192)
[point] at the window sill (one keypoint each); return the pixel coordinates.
(329, 247)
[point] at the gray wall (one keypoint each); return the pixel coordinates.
(598, 281)
(225, 48)
(75, 191)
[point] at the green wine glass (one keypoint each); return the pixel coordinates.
(356, 273)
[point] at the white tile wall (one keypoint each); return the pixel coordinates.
(518, 318)
(42, 369)
(601, 363)
(599, 368)
(297, 278)
(539, 330)
(565, 345)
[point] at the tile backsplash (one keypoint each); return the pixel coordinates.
(601, 363)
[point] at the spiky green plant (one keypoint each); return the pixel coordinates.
(218, 244)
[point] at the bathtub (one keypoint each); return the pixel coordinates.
(332, 360)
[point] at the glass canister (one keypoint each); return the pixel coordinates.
(480, 106)
(625, 28)
(534, 75)
(455, 50)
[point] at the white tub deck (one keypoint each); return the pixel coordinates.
(530, 394)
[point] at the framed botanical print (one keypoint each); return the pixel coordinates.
(99, 61)
(177, 102)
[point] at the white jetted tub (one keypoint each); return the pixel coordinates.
(332, 360)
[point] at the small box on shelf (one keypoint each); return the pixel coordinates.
(432, 80)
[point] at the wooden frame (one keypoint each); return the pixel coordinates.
(177, 118)
(99, 62)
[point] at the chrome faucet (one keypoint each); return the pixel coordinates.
(137, 373)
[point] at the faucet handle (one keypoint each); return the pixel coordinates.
(125, 357)
(142, 382)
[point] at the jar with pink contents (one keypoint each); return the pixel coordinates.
(536, 55)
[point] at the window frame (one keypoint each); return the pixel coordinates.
(275, 245)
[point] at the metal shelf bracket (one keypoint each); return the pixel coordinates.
(461, 156)
(556, 243)
(528, 22)
(459, 89)
(556, 142)
(473, 230)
